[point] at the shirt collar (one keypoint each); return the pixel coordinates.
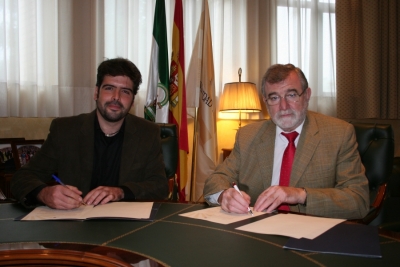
(298, 129)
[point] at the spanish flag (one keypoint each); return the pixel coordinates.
(177, 105)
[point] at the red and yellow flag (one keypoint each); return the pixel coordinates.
(177, 98)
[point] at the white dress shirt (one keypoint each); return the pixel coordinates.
(281, 142)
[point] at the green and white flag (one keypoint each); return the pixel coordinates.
(157, 100)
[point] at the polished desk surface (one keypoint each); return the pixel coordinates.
(173, 240)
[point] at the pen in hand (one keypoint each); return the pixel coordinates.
(237, 189)
(61, 183)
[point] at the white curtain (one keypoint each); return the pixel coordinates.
(50, 49)
(47, 57)
(304, 35)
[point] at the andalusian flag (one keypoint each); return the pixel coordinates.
(201, 95)
(177, 97)
(156, 108)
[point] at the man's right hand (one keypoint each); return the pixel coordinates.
(231, 201)
(60, 197)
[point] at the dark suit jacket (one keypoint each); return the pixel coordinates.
(69, 150)
(326, 163)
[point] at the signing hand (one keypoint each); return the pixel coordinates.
(274, 196)
(103, 195)
(231, 201)
(60, 197)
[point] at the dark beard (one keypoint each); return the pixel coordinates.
(111, 117)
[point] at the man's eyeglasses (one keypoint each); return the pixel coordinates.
(291, 97)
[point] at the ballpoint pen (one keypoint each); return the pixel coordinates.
(61, 183)
(237, 189)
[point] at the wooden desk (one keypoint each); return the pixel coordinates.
(226, 152)
(173, 240)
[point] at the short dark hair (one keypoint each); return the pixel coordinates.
(278, 72)
(119, 67)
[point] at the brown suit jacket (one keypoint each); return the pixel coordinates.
(68, 150)
(326, 163)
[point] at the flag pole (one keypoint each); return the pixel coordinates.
(194, 150)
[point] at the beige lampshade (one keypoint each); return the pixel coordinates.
(240, 97)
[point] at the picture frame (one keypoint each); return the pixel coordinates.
(8, 155)
(25, 150)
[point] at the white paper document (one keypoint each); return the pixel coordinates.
(217, 215)
(111, 210)
(297, 226)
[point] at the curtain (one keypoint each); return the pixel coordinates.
(368, 34)
(304, 35)
(50, 49)
(47, 57)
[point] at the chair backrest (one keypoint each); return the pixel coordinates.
(170, 149)
(376, 148)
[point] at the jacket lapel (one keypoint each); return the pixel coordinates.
(129, 146)
(308, 143)
(86, 148)
(265, 153)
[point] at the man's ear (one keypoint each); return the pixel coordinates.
(308, 93)
(133, 101)
(96, 93)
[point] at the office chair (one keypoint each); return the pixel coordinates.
(391, 206)
(170, 150)
(376, 148)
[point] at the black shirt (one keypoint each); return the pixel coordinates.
(107, 159)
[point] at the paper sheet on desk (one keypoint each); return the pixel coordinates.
(297, 226)
(111, 210)
(217, 215)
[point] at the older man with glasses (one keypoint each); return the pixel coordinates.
(299, 160)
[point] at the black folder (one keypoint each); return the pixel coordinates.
(345, 239)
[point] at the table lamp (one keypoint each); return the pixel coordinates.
(240, 97)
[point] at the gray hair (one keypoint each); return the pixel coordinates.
(278, 72)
